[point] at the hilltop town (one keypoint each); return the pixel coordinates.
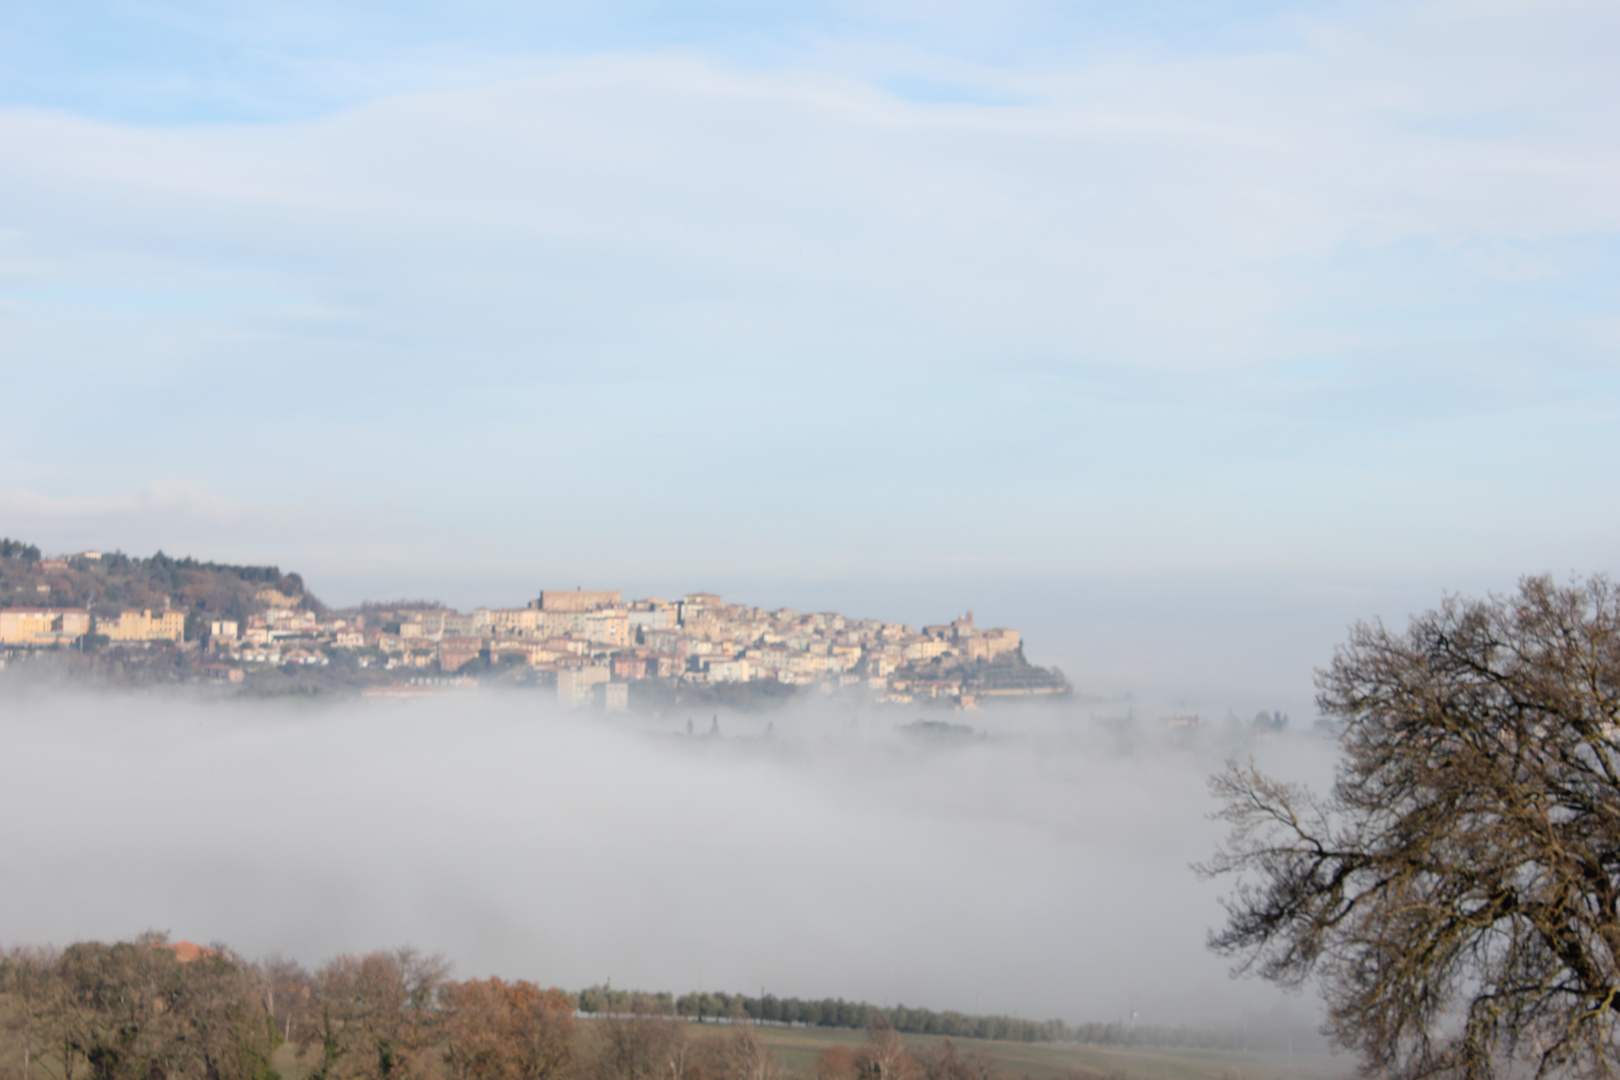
(160, 619)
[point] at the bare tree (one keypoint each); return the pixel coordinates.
(119, 1013)
(744, 1057)
(885, 1057)
(945, 1062)
(473, 1030)
(373, 1017)
(1457, 893)
(28, 979)
(541, 1032)
(289, 992)
(495, 1030)
(222, 1027)
(137, 1011)
(644, 1046)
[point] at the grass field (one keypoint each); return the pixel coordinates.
(797, 1048)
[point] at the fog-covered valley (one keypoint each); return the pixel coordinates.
(1037, 866)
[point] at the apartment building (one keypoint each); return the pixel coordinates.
(166, 625)
(42, 626)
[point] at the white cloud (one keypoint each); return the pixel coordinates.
(637, 210)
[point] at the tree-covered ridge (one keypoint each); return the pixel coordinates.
(17, 549)
(113, 581)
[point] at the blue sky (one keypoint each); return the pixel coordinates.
(1298, 304)
(190, 62)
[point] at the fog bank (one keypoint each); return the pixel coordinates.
(1038, 869)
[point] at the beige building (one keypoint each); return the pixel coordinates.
(514, 622)
(608, 626)
(605, 626)
(168, 625)
(458, 625)
(925, 650)
(42, 626)
(579, 600)
(730, 671)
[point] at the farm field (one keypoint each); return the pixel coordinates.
(796, 1051)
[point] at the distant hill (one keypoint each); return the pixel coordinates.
(113, 581)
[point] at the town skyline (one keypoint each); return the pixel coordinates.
(203, 621)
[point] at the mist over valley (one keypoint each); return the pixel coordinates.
(1035, 868)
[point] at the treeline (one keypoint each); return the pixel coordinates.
(114, 581)
(838, 1013)
(828, 1012)
(166, 567)
(17, 549)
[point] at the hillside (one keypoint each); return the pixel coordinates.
(112, 582)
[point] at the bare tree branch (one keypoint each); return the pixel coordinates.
(1457, 895)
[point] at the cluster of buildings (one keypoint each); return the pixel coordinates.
(592, 645)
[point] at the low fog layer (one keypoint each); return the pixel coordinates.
(1038, 869)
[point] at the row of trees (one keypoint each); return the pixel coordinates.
(838, 1013)
(828, 1012)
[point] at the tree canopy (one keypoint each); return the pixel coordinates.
(1457, 892)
